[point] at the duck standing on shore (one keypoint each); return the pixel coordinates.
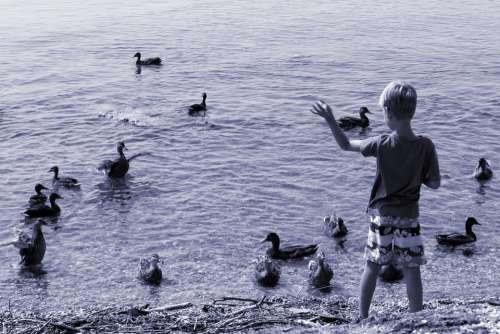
(267, 272)
(199, 109)
(63, 181)
(44, 210)
(149, 271)
(39, 198)
(350, 122)
(287, 253)
(147, 61)
(483, 170)
(320, 273)
(32, 247)
(455, 239)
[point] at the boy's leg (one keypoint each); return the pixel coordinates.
(368, 284)
(413, 288)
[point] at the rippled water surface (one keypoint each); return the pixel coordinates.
(210, 188)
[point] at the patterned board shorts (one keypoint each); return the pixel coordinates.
(395, 240)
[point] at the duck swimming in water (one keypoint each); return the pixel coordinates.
(267, 272)
(67, 182)
(455, 239)
(483, 170)
(148, 61)
(320, 273)
(350, 122)
(44, 210)
(290, 252)
(334, 226)
(390, 273)
(32, 247)
(119, 167)
(149, 271)
(39, 198)
(199, 109)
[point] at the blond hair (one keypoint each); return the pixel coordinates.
(399, 99)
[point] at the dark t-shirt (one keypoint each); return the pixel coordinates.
(402, 166)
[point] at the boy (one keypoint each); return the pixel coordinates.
(404, 162)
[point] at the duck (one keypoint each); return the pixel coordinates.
(149, 271)
(320, 273)
(67, 182)
(334, 226)
(32, 247)
(483, 170)
(44, 210)
(119, 167)
(455, 239)
(197, 109)
(148, 61)
(290, 252)
(39, 198)
(390, 273)
(267, 272)
(350, 122)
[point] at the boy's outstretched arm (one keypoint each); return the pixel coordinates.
(322, 109)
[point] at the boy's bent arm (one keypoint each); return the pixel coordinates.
(322, 109)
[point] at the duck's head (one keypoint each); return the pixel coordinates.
(121, 147)
(321, 257)
(55, 170)
(471, 221)
(54, 196)
(364, 110)
(155, 259)
(39, 187)
(272, 237)
(138, 55)
(204, 96)
(482, 163)
(340, 222)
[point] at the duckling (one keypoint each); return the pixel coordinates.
(67, 182)
(149, 271)
(390, 273)
(483, 170)
(32, 247)
(455, 239)
(148, 61)
(39, 198)
(44, 210)
(290, 252)
(334, 226)
(120, 166)
(349, 122)
(320, 273)
(267, 272)
(199, 109)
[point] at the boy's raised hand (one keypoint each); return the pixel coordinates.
(322, 109)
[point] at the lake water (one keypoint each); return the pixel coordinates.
(211, 188)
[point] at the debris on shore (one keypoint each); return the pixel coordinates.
(268, 314)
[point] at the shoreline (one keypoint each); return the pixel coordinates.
(269, 314)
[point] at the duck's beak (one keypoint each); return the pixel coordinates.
(42, 187)
(264, 240)
(477, 223)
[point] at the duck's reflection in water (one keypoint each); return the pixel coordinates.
(115, 191)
